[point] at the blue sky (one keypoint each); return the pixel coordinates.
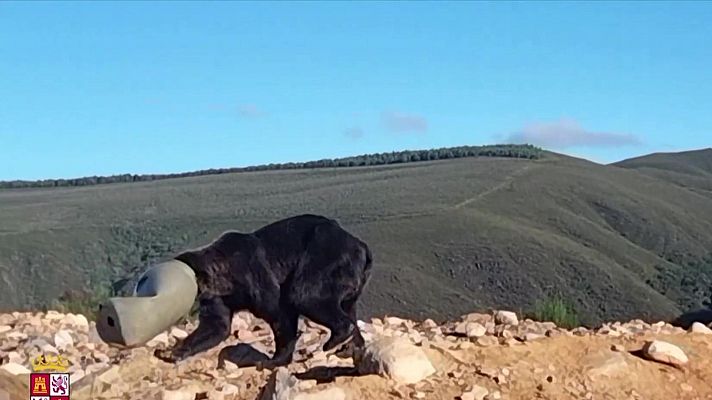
(100, 88)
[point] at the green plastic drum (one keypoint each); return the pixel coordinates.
(163, 295)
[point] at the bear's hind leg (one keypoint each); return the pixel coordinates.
(282, 319)
(328, 313)
(355, 347)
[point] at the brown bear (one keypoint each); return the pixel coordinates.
(304, 265)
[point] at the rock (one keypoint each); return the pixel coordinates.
(246, 336)
(178, 333)
(110, 376)
(76, 376)
(96, 367)
(63, 340)
(180, 394)
(465, 346)
(93, 336)
(476, 393)
(12, 386)
(496, 395)
(160, 339)
(394, 321)
(53, 315)
(15, 357)
(664, 352)
(15, 369)
(461, 328)
(37, 342)
(429, 324)
(506, 318)
(49, 349)
(396, 358)
(230, 389)
(580, 331)
(698, 327)
(5, 328)
(531, 336)
(16, 335)
(75, 320)
(475, 330)
(607, 364)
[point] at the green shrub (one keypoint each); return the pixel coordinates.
(557, 310)
(82, 302)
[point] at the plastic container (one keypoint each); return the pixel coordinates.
(163, 295)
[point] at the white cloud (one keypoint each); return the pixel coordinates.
(354, 132)
(401, 122)
(568, 133)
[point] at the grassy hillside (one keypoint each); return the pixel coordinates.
(448, 236)
(689, 169)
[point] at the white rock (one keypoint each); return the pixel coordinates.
(96, 367)
(362, 325)
(81, 321)
(53, 316)
(180, 394)
(111, 375)
(75, 320)
(178, 333)
(5, 328)
(699, 327)
(63, 340)
(16, 335)
(215, 394)
(475, 330)
(461, 328)
(394, 321)
(49, 349)
(664, 352)
(506, 318)
(160, 339)
(532, 336)
(37, 342)
(397, 358)
(15, 357)
(476, 393)
(284, 386)
(15, 369)
(229, 389)
(93, 335)
(76, 376)
(429, 324)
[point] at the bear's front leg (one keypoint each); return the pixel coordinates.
(214, 325)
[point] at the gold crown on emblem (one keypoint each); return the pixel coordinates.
(43, 363)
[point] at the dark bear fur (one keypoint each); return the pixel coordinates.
(304, 265)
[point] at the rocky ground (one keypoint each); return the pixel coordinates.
(481, 356)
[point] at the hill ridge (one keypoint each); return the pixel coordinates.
(384, 158)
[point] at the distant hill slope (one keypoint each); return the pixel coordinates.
(447, 236)
(689, 169)
(693, 162)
